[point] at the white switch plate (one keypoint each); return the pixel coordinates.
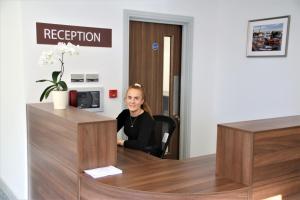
(92, 78)
(77, 78)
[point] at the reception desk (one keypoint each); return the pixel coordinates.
(63, 143)
(263, 154)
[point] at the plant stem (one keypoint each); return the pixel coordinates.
(62, 67)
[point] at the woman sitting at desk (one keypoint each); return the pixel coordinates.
(137, 120)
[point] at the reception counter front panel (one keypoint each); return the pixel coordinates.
(63, 143)
(264, 154)
(255, 160)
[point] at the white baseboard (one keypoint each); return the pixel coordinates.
(7, 191)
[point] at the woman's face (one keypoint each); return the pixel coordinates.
(134, 99)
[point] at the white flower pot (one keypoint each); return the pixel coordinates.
(60, 99)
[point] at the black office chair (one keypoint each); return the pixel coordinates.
(164, 128)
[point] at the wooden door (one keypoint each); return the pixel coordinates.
(146, 66)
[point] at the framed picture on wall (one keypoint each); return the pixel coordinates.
(268, 37)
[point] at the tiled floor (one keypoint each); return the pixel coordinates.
(3, 195)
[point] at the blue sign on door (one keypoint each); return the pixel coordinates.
(154, 46)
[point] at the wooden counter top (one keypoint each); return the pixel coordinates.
(172, 176)
(145, 173)
(72, 114)
(265, 124)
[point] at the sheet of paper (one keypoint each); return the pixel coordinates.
(103, 171)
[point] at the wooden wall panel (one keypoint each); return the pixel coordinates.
(146, 67)
(49, 179)
(55, 154)
(284, 155)
(97, 145)
(234, 154)
(54, 136)
(276, 153)
(273, 170)
(284, 185)
(146, 64)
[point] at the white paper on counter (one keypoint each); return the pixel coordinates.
(103, 171)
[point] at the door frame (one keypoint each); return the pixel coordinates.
(186, 66)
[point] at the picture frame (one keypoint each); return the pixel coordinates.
(268, 36)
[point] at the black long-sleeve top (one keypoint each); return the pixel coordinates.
(138, 129)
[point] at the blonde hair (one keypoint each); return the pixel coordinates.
(145, 105)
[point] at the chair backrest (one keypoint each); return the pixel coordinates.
(164, 128)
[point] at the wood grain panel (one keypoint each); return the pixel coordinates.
(71, 114)
(92, 191)
(283, 185)
(54, 136)
(269, 144)
(49, 179)
(174, 31)
(146, 64)
(93, 144)
(261, 125)
(196, 175)
(264, 135)
(279, 169)
(234, 154)
(55, 154)
(146, 67)
(67, 128)
(276, 153)
(147, 177)
(127, 158)
(283, 155)
(292, 197)
(97, 145)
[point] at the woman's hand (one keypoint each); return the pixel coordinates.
(120, 142)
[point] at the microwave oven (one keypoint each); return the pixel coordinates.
(90, 99)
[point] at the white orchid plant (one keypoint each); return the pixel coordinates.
(53, 57)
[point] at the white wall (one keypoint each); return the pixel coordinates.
(13, 124)
(247, 88)
(1, 50)
(108, 62)
(227, 86)
(252, 88)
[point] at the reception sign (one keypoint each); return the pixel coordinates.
(77, 35)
